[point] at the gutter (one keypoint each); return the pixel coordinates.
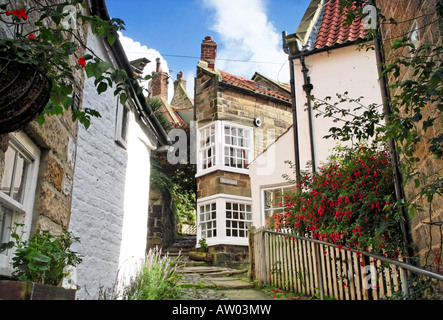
(98, 8)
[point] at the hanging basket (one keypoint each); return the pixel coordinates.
(24, 93)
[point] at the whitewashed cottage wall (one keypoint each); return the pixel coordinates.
(111, 191)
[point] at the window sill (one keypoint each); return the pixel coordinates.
(221, 168)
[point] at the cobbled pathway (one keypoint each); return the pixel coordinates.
(216, 283)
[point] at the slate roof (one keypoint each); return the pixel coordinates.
(250, 85)
(331, 30)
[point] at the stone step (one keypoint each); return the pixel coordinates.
(212, 271)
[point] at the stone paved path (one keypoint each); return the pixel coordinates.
(216, 283)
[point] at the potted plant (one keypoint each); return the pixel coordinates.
(204, 254)
(40, 265)
(38, 61)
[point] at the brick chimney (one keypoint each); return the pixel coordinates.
(159, 83)
(209, 52)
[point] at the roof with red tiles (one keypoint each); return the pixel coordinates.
(250, 85)
(332, 31)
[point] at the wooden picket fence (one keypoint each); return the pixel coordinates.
(316, 268)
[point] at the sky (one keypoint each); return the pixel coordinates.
(248, 34)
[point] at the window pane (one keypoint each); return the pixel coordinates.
(207, 147)
(237, 147)
(125, 113)
(238, 219)
(5, 224)
(207, 220)
(15, 174)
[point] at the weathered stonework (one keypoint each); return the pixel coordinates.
(425, 227)
(57, 139)
(220, 96)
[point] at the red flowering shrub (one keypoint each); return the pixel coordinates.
(347, 202)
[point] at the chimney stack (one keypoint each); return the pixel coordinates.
(159, 83)
(209, 52)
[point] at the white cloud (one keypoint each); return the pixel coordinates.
(135, 50)
(245, 33)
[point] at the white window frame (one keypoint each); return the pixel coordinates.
(120, 137)
(220, 200)
(283, 188)
(22, 211)
(218, 145)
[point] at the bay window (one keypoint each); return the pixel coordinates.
(224, 146)
(224, 219)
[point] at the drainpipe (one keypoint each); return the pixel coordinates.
(294, 111)
(292, 48)
(386, 98)
(307, 88)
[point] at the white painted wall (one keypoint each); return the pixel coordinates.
(267, 169)
(111, 192)
(337, 71)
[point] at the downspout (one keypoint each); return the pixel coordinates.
(98, 7)
(386, 98)
(294, 111)
(307, 88)
(307, 85)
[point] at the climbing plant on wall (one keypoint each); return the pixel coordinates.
(176, 179)
(411, 120)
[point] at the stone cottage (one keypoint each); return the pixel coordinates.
(236, 118)
(94, 182)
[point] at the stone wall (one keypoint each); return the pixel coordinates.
(57, 139)
(180, 99)
(223, 182)
(216, 102)
(161, 220)
(425, 227)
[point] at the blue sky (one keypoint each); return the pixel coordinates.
(245, 30)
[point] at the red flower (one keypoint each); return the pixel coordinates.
(31, 36)
(82, 61)
(8, 13)
(20, 13)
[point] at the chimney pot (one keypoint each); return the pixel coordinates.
(158, 64)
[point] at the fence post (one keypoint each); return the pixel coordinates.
(252, 270)
(320, 272)
(263, 236)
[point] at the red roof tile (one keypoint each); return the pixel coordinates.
(333, 32)
(250, 85)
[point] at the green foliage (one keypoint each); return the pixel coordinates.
(412, 120)
(44, 257)
(50, 46)
(156, 279)
(203, 245)
(176, 179)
